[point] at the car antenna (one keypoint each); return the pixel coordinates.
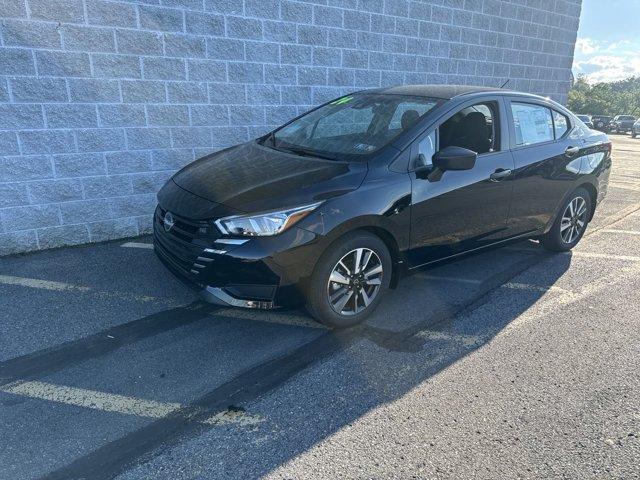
(502, 86)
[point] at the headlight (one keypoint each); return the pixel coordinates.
(264, 224)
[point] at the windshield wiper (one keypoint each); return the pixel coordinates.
(271, 137)
(305, 153)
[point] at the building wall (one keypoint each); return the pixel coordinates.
(101, 101)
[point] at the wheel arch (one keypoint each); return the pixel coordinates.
(392, 245)
(372, 225)
(593, 196)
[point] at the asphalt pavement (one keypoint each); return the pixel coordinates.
(513, 363)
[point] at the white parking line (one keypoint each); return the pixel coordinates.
(557, 303)
(534, 288)
(626, 258)
(266, 316)
(471, 281)
(631, 188)
(137, 245)
(468, 341)
(43, 284)
(110, 402)
(513, 285)
(67, 287)
(626, 232)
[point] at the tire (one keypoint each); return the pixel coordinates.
(339, 260)
(634, 134)
(568, 228)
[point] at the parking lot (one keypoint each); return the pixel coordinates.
(515, 363)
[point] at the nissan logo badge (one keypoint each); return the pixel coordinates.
(168, 221)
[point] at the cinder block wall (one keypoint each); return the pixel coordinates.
(101, 101)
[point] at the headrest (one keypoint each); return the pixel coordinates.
(409, 118)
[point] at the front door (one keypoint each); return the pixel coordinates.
(462, 210)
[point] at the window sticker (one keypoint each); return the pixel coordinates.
(342, 101)
(533, 124)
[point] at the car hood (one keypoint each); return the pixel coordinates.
(251, 178)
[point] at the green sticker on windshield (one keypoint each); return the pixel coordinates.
(341, 101)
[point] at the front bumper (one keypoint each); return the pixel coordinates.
(250, 273)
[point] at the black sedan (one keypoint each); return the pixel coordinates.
(601, 122)
(333, 208)
(622, 123)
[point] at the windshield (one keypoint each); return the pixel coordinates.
(625, 117)
(351, 126)
(584, 118)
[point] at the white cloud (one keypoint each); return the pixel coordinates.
(604, 61)
(586, 46)
(608, 68)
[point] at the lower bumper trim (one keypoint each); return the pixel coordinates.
(219, 297)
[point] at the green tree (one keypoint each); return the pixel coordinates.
(611, 98)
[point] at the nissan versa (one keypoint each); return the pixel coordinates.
(332, 208)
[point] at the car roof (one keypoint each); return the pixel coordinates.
(445, 92)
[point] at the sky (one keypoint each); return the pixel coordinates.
(608, 45)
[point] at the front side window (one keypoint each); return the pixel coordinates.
(474, 128)
(401, 112)
(352, 126)
(426, 151)
(532, 123)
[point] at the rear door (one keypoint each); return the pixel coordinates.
(547, 151)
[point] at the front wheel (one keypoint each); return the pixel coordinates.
(349, 280)
(571, 223)
(634, 134)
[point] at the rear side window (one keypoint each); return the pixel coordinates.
(560, 124)
(533, 124)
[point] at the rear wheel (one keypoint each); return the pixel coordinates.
(571, 223)
(349, 280)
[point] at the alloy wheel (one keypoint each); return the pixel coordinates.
(573, 220)
(355, 281)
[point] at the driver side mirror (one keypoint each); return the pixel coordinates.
(449, 158)
(454, 158)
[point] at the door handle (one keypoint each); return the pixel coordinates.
(500, 174)
(572, 151)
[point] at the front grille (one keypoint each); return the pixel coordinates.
(184, 242)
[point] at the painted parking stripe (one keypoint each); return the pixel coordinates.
(621, 186)
(557, 303)
(627, 258)
(626, 232)
(467, 341)
(67, 287)
(148, 246)
(577, 253)
(471, 281)
(110, 402)
(42, 284)
(512, 285)
(266, 316)
(535, 288)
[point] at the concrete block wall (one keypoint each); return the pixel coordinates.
(102, 100)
